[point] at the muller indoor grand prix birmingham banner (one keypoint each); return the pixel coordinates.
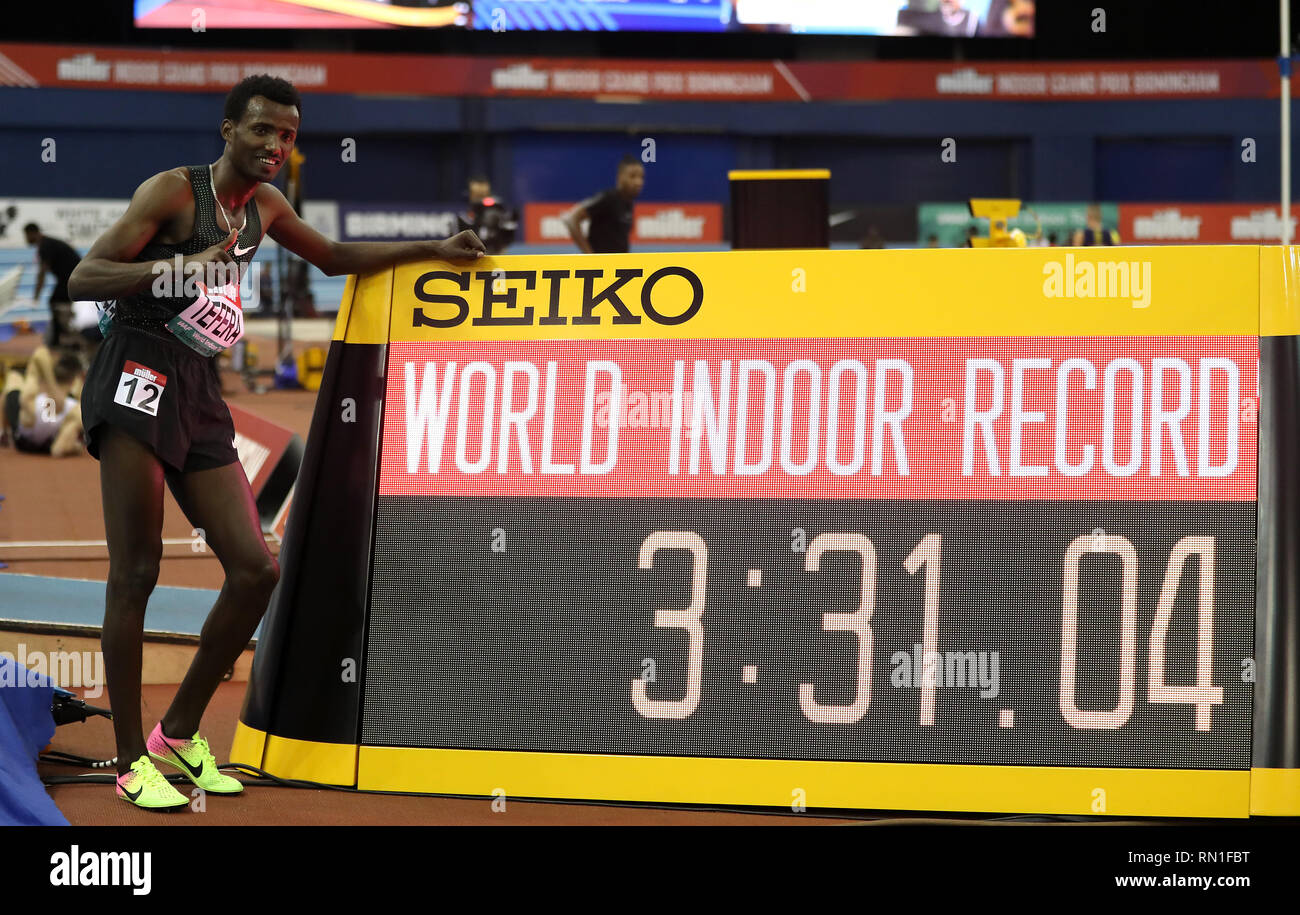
(942, 530)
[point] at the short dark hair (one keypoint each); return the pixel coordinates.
(627, 160)
(68, 367)
(265, 85)
(31, 227)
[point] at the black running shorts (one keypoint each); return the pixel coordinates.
(162, 393)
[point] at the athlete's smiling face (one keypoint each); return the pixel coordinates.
(261, 142)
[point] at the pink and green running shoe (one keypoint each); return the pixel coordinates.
(194, 759)
(144, 786)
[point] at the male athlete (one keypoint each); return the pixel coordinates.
(57, 258)
(152, 408)
(610, 212)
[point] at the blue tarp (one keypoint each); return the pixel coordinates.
(26, 726)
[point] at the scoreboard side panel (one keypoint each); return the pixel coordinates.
(1275, 777)
(302, 709)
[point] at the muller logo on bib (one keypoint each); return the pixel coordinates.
(137, 370)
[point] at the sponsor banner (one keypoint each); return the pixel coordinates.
(1044, 418)
(78, 222)
(260, 445)
(396, 222)
(1020, 82)
(638, 79)
(950, 221)
(1203, 223)
(653, 223)
(411, 74)
(321, 215)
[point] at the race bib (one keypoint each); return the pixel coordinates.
(140, 388)
(213, 322)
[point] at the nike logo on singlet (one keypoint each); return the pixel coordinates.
(240, 252)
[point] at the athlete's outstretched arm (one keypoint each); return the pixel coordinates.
(344, 258)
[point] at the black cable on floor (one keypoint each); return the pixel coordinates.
(71, 759)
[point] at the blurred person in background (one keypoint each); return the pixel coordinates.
(610, 212)
(488, 217)
(873, 238)
(57, 258)
(479, 187)
(955, 18)
(41, 413)
(932, 241)
(1094, 233)
(1009, 19)
(7, 216)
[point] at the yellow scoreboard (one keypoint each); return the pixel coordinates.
(970, 530)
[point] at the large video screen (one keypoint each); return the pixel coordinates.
(955, 18)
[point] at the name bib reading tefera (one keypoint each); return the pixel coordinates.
(213, 322)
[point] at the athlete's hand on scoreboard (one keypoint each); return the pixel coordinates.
(460, 247)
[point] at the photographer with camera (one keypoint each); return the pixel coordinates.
(488, 217)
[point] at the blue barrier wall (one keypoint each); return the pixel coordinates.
(422, 149)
